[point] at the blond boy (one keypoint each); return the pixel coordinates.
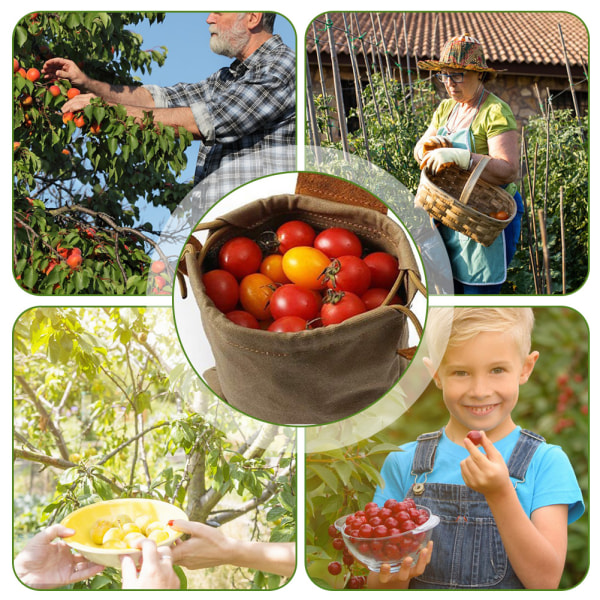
(504, 506)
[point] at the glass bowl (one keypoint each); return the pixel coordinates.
(377, 549)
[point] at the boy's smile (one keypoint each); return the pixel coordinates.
(480, 381)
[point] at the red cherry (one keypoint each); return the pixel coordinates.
(475, 437)
(408, 526)
(380, 531)
(334, 568)
(338, 543)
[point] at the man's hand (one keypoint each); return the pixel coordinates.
(485, 473)
(77, 103)
(64, 68)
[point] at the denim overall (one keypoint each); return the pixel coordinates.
(478, 269)
(467, 550)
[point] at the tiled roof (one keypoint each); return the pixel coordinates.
(530, 38)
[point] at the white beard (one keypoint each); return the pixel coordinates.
(229, 43)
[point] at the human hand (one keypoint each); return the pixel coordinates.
(408, 570)
(156, 570)
(206, 547)
(431, 143)
(47, 564)
(77, 103)
(485, 472)
(439, 158)
(64, 68)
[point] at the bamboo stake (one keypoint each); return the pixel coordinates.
(375, 46)
(550, 107)
(383, 78)
(374, 95)
(339, 100)
(547, 170)
(358, 89)
(385, 50)
(530, 219)
(367, 64)
(539, 99)
(571, 84)
(310, 106)
(545, 251)
(563, 243)
(408, 62)
(401, 76)
(322, 79)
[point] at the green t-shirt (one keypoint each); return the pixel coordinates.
(494, 117)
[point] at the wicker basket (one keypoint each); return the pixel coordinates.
(462, 202)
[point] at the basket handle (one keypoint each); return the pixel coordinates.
(472, 181)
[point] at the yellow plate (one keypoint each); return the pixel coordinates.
(83, 519)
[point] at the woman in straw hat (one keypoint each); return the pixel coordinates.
(472, 123)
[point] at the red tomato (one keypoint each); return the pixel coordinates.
(272, 267)
(339, 306)
(294, 233)
(337, 241)
(374, 297)
(240, 256)
(243, 318)
(304, 265)
(293, 300)
(288, 324)
(222, 288)
(384, 269)
(256, 290)
(348, 273)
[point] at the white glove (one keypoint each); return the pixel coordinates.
(429, 144)
(440, 157)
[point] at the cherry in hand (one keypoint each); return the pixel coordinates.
(475, 437)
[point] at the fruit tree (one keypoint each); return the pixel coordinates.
(106, 406)
(79, 179)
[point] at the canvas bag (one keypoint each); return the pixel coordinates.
(315, 376)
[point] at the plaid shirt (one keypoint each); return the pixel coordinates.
(247, 116)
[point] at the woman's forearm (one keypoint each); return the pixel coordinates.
(278, 558)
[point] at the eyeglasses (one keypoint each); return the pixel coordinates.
(454, 77)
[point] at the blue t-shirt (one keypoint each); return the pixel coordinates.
(549, 480)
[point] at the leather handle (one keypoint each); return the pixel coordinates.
(329, 187)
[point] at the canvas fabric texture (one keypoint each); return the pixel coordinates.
(315, 376)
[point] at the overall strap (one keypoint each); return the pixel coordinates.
(522, 454)
(425, 452)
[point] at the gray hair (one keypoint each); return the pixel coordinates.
(268, 21)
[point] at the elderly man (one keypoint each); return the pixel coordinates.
(244, 115)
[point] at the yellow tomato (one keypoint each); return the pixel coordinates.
(304, 266)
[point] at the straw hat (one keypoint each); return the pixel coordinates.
(462, 52)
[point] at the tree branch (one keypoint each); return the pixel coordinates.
(45, 416)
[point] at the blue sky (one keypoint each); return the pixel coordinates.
(189, 58)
